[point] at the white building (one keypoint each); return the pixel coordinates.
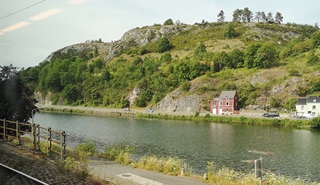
(308, 107)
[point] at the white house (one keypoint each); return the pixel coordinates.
(308, 107)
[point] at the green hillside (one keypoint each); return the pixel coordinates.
(268, 64)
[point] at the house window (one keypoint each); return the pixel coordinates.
(220, 103)
(227, 110)
(302, 107)
(227, 103)
(313, 107)
(314, 100)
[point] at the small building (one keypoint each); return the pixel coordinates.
(308, 107)
(227, 103)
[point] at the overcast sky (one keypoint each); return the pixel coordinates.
(30, 30)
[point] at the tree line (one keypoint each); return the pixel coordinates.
(246, 15)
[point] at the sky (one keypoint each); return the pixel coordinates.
(30, 30)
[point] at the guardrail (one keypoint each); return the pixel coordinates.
(54, 141)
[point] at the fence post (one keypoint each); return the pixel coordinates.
(64, 145)
(34, 133)
(49, 141)
(38, 134)
(257, 168)
(17, 133)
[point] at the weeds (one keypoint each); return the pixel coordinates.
(166, 165)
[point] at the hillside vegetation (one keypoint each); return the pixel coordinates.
(269, 64)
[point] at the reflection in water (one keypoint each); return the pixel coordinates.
(294, 151)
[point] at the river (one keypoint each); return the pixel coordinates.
(295, 152)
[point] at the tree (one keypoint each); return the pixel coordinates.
(168, 22)
(16, 102)
(236, 59)
(250, 55)
(71, 93)
(270, 18)
(164, 45)
(230, 32)
(264, 17)
(247, 15)
(278, 18)
(258, 16)
(266, 56)
(221, 16)
(237, 15)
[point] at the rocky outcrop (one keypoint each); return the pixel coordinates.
(43, 100)
(177, 102)
(136, 37)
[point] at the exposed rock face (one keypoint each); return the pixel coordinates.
(176, 102)
(133, 95)
(43, 100)
(138, 37)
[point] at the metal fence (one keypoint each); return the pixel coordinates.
(54, 142)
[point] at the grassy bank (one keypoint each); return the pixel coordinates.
(237, 120)
(296, 123)
(175, 166)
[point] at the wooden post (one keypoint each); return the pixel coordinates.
(48, 141)
(257, 168)
(38, 134)
(17, 133)
(34, 133)
(64, 145)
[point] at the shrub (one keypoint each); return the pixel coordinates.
(186, 86)
(119, 153)
(87, 148)
(164, 45)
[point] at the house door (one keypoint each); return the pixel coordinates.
(214, 110)
(220, 111)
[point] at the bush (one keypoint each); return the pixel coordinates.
(119, 153)
(87, 148)
(168, 22)
(164, 45)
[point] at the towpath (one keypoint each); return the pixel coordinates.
(127, 175)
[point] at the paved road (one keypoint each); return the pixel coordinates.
(127, 175)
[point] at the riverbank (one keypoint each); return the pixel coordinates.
(246, 118)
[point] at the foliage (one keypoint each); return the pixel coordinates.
(16, 102)
(266, 57)
(291, 104)
(274, 102)
(164, 45)
(168, 22)
(230, 31)
(166, 165)
(221, 16)
(119, 153)
(88, 148)
(201, 48)
(90, 78)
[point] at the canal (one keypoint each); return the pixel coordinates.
(295, 152)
